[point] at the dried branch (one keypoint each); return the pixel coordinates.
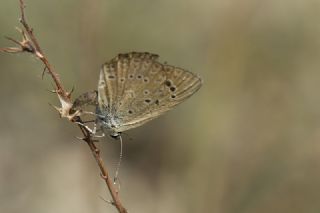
(104, 172)
(31, 45)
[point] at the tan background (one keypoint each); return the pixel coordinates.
(247, 142)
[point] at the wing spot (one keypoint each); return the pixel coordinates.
(157, 102)
(146, 80)
(122, 79)
(146, 92)
(147, 101)
(172, 89)
(111, 77)
(131, 76)
(130, 111)
(139, 76)
(168, 83)
(173, 96)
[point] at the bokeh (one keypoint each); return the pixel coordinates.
(247, 142)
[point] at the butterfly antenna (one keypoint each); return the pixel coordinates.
(119, 162)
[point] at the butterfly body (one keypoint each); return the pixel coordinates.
(108, 121)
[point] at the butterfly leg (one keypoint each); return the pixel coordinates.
(85, 126)
(95, 130)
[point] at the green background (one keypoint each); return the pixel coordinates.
(247, 142)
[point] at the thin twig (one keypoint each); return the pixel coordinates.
(39, 53)
(30, 44)
(104, 172)
(26, 26)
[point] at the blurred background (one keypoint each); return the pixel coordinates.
(247, 142)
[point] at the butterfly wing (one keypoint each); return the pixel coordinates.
(141, 89)
(176, 86)
(119, 79)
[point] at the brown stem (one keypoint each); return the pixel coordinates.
(65, 100)
(60, 90)
(104, 172)
(26, 26)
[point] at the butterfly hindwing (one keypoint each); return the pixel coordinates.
(177, 86)
(136, 88)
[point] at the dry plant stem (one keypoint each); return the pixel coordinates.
(40, 55)
(31, 45)
(104, 172)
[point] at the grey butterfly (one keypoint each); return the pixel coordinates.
(135, 88)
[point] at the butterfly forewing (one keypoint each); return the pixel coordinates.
(107, 87)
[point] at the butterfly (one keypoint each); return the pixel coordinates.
(135, 88)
